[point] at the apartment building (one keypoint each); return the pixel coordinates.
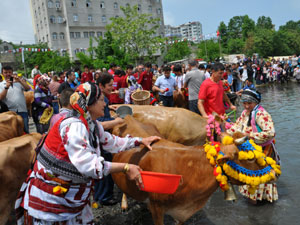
(191, 31)
(67, 25)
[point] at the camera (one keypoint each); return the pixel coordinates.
(12, 80)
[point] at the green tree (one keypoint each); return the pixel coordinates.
(291, 26)
(212, 49)
(264, 23)
(223, 35)
(248, 26)
(136, 33)
(48, 61)
(235, 27)
(235, 46)
(177, 50)
(263, 41)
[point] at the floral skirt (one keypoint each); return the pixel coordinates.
(264, 192)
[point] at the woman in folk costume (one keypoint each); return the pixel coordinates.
(256, 123)
(132, 87)
(58, 188)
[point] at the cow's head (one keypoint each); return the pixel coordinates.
(241, 161)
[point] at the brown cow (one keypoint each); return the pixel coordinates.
(15, 157)
(29, 97)
(11, 125)
(198, 182)
(175, 124)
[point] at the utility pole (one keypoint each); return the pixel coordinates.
(23, 59)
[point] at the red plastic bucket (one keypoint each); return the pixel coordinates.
(161, 183)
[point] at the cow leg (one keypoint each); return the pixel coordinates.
(157, 213)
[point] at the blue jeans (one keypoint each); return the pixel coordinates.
(24, 115)
(193, 106)
(55, 107)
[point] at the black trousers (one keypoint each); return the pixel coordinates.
(167, 100)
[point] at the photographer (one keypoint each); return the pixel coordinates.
(11, 93)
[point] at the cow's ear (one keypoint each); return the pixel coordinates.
(224, 159)
(230, 153)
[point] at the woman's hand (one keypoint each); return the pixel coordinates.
(133, 173)
(149, 140)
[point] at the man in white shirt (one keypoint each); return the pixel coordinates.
(12, 94)
(35, 71)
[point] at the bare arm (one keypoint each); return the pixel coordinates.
(201, 108)
(107, 125)
(226, 99)
(4, 92)
(155, 88)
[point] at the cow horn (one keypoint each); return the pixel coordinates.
(240, 141)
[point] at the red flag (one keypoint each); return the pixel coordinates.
(39, 50)
(20, 49)
(218, 33)
(29, 49)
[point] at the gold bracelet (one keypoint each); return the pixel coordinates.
(126, 168)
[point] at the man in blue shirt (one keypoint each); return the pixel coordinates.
(165, 85)
(248, 85)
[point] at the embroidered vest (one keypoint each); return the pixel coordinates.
(54, 156)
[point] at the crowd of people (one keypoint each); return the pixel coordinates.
(78, 106)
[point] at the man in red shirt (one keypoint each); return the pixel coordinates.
(146, 78)
(86, 75)
(138, 74)
(112, 68)
(211, 94)
(117, 84)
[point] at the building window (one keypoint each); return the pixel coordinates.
(127, 5)
(62, 36)
(52, 19)
(43, 39)
(99, 34)
(47, 37)
(57, 4)
(158, 11)
(72, 35)
(74, 3)
(5, 48)
(102, 5)
(104, 19)
(75, 17)
(139, 7)
(90, 18)
(150, 8)
(77, 34)
(116, 16)
(86, 34)
(92, 34)
(115, 5)
(59, 19)
(54, 36)
(158, 1)
(50, 4)
(88, 3)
